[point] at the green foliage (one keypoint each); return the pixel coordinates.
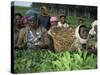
(87, 22)
(46, 61)
(21, 9)
(73, 21)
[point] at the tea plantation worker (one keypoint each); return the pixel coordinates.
(81, 35)
(53, 21)
(44, 19)
(24, 21)
(21, 35)
(92, 42)
(17, 26)
(17, 22)
(20, 21)
(33, 36)
(62, 22)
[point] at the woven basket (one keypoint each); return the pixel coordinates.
(63, 38)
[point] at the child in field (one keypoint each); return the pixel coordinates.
(62, 22)
(81, 35)
(44, 19)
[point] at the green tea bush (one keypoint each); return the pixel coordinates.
(48, 61)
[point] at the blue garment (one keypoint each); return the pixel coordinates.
(44, 21)
(33, 40)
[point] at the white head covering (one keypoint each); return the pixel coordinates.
(77, 35)
(94, 24)
(92, 32)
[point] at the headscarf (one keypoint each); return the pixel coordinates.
(77, 35)
(53, 18)
(92, 32)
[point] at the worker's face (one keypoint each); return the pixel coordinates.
(83, 33)
(32, 23)
(44, 11)
(54, 23)
(17, 19)
(62, 19)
